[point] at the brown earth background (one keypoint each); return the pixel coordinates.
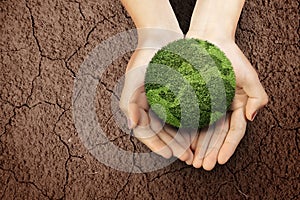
(43, 44)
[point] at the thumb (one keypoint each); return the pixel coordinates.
(257, 97)
(129, 108)
(133, 87)
(133, 115)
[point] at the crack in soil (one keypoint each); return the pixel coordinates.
(237, 185)
(278, 121)
(95, 26)
(219, 189)
(6, 186)
(109, 141)
(33, 28)
(15, 108)
(123, 187)
(76, 51)
(69, 153)
(26, 182)
(80, 10)
(34, 79)
(109, 90)
(8, 123)
(169, 172)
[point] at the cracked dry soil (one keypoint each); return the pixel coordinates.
(43, 44)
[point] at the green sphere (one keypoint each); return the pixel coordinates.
(190, 83)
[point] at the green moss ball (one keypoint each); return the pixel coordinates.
(190, 83)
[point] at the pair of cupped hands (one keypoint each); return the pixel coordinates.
(200, 148)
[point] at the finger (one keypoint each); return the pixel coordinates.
(236, 132)
(202, 144)
(156, 144)
(145, 134)
(176, 147)
(155, 123)
(131, 94)
(142, 102)
(257, 96)
(211, 155)
(133, 86)
(194, 138)
(178, 136)
(184, 137)
(134, 107)
(131, 110)
(143, 127)
(139, 97)
(183, 154)
(181, 140)
(133, 115)
(186, 134)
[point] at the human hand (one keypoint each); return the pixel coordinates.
(219, 141)
(156, 26)
(150, 130)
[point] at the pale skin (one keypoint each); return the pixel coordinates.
(206, 147)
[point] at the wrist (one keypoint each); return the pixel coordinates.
(150, 40)
(213, 29)
(216, 19)
(157, 37)
(216, 36)
(155, 21)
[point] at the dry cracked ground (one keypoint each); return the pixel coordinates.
(43, 44)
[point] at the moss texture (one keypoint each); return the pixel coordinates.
(192, 81)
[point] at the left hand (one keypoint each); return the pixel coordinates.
(146, 127)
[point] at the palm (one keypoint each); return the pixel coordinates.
(219, 141)
(240, 99)
(150, 130)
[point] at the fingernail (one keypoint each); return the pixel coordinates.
(129, 123)
(253, 115)
(189, 162)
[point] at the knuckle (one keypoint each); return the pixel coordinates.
(160, 151)
(265, 99)
(237, 130)
(166, 155)
(184, 156)
(156, 140)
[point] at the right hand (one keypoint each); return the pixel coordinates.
(250, 96)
